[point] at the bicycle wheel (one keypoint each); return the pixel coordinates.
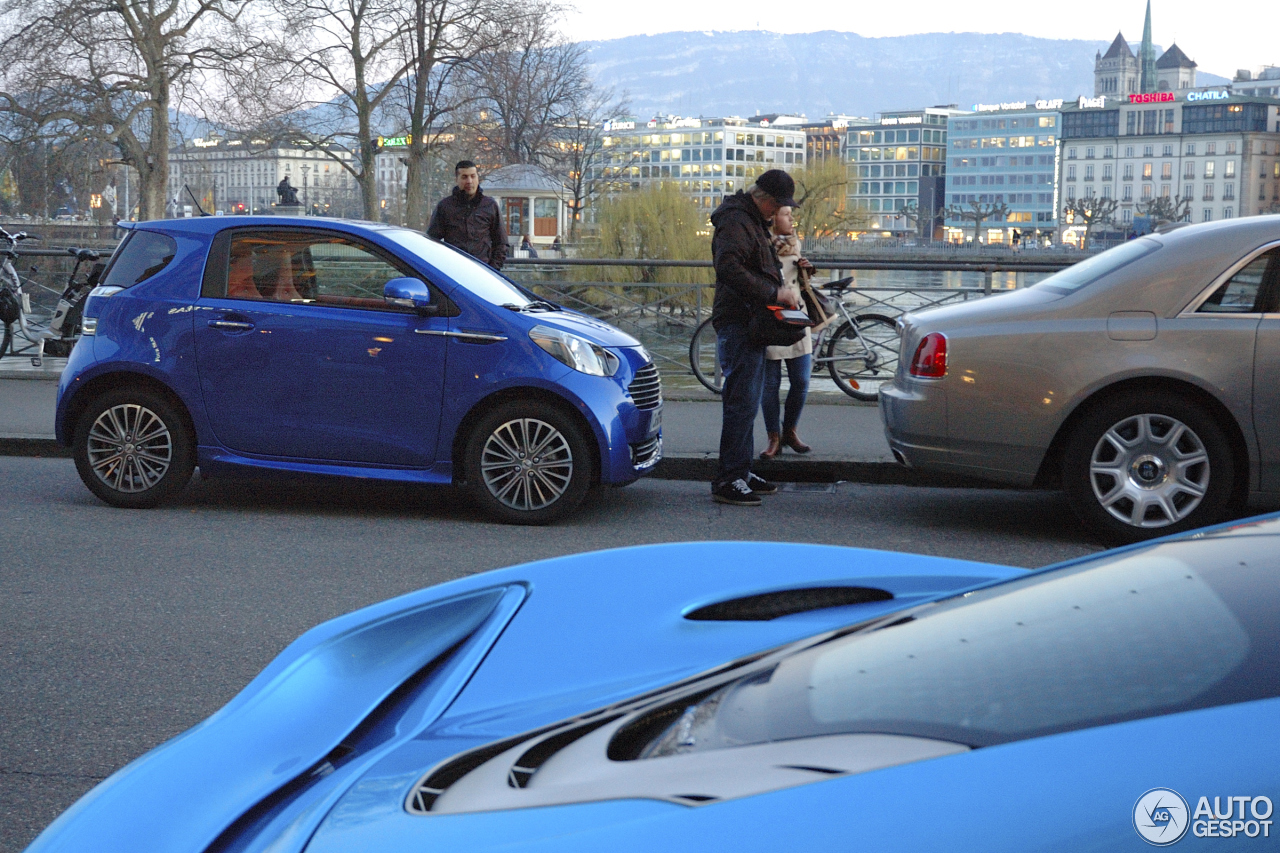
(6, 340)
(704, 359)
(863, 359)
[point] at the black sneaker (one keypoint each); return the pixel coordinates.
(760, 486)
(736, 493)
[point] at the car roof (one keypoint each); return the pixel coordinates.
(205, 225)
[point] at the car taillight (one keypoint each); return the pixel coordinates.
(930, 360)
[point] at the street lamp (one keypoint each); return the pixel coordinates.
(305, 170)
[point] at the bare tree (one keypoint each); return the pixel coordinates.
(112, 71)
(442, 37)
(978, 212)
(1092, 212)
(349, 55)
(578, 150)
(528, 88)
(1165, 209)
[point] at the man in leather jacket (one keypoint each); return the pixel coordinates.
(748, 277)
(469, 220)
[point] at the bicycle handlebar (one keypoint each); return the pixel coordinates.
(14, 239)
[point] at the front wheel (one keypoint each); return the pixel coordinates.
(527, 462)
(704, 358)
(1147, 465)
(133, 448)
(863, 355)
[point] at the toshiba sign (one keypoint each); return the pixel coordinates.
(1151, 98)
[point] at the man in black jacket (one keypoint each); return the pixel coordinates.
(469, 220)
(748, 277)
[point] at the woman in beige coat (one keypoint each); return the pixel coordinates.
(798, 357)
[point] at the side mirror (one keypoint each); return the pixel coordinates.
(408, 293)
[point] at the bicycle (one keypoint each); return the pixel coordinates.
(860, 351)
(53, 334)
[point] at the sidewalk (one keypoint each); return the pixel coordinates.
(848, 440)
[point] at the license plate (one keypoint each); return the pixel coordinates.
(655, 422)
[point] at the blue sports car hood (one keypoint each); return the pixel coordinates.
(594, 330)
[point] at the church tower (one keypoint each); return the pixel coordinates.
(1147, 56)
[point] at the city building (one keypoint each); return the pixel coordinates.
(1265, 83)
(897, 168)
(1004, 154)
(706, 158)
(392, 173)
(1208, 153)
(240, 175)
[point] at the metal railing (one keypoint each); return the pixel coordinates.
(664, 315)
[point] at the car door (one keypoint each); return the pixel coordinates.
(300, 357)
(1266, 370)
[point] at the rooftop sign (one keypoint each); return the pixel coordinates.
(903, 120)
(1097, 103)
(394, 141)
(1216, 95)
(1151, 98)
(619, 125)
(990, 108)
(1049, 104)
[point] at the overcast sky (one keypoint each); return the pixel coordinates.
(1219, 38)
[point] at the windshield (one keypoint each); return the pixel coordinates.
(476, 277)
(1159, 631)
(1091, 269)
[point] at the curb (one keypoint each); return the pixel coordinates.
(32, 445)
(698, 466)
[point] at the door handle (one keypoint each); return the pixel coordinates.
(472, 337)
(230, 325)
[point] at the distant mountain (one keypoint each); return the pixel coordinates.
(744, 73)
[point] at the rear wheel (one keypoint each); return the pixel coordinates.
(863, 355)
(6, 340)
(705, 359)
(527, 462)
(1148, 465)
(133, 448)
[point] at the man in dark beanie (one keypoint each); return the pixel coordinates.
(469, 220)
(748, 277)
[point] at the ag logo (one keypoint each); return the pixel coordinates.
(1160, 816)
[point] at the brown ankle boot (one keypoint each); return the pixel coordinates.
(790, 439)
(774, 448)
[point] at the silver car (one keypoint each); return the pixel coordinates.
(1143, 381)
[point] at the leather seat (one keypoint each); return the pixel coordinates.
(282, 277)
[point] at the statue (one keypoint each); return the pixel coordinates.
(288, 195)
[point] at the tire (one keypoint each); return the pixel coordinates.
(527, 462)
(6, 339)
(152, 468)
(1148, 465)
(704, 358)
(859, 370)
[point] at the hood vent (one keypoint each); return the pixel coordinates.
(774, 605)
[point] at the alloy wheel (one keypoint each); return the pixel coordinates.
(1149, 470)
(526, 464)
(130, 448)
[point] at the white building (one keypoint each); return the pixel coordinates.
(1217, 151)
(706, 158)
(234, 176)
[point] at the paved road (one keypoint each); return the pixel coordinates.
(119, 629)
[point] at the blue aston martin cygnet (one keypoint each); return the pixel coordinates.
(352, 349)
(700, 697)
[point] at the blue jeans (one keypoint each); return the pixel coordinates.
(798, 375)
(743, 366)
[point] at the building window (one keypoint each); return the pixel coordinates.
(1229, 169)
(1126, 216)
(1165, 190)
(1228, 192)
(1211, 148)
(1071, 172)
(1228, 212)
(1106, 191)
(1208, 193)
(1088, 172)
(1206, 215)
(1108, 151)
(1128, 192)
(1190, 170)
(1208, 168)
(1128, 171)
(1128, 151)
(1168, 151)
(1191, 149)
(1188, 190)
(1146, 192)
(1088, 153)
(1146, 171)
(1071, 153)
(1071, 193)
(1147, 150)
(1107, 172)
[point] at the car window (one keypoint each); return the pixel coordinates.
(143, 254)
(1167, 629)
(1091, 269)
(476, 277)
(324, 269)
(1241, 293)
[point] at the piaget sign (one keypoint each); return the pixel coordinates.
(1097, 103)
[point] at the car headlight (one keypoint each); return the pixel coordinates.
(576, 352)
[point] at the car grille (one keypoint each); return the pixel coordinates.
(646, 388)
(646, 453)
